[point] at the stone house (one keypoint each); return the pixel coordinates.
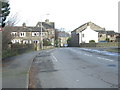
(111, 35)
(32, 35)
(62, 38)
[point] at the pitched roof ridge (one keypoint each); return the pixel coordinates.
(91, 23)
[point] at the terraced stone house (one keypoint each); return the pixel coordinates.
(32, 34)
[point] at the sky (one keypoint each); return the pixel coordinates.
(67, 14)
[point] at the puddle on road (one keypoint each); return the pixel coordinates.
(111, 65)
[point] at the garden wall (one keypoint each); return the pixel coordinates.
(105, 44)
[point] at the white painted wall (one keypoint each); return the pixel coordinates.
(89, 34)
(80, 37)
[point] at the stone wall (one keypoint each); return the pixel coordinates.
(108, 44)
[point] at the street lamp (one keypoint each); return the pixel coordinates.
(41, 32)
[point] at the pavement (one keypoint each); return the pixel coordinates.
(75, 68)
(15, 70)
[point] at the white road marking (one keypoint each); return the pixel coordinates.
(105, 59)
(54, 57)
(87, 55)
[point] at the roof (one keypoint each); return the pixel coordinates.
(92, 26)
(27, 29)
(63, 34)
(37, 28)
(101, 31)
(110, 32)
(47, 25)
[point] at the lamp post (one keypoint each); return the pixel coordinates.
(41, 32)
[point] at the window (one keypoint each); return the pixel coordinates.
(22, 34)
(43, 34)
(15, 41)
(25, 41)
(111, 35)
(30, 41)
(35, 33)
(36, 41)
(100, 35)
(14, 34)
(83, 35)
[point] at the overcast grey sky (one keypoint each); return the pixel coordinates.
(68, 14)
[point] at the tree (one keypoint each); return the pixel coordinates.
(5, 10)
(69, 41)
(46, 42)
(7, 24)
(56, 42)
(107, 39)
(13, 20)
(6, 33)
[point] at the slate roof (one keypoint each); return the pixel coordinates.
(47, 25)
(92, 26)
(101, 31)
(37, 28)
(110, 32)
(27, 29)
(63, 34)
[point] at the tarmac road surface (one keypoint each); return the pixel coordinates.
(75, 68)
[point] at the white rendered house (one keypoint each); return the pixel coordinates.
(88, 34)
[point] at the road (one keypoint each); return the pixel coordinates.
(15, 70)
(75, 68)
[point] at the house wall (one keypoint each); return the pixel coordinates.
(80, 37)
(112, 38)
(87, 35)
(102, 37)
(75, 39)
(63, 40)
(32, 36)
(51, 35)
(28, 38)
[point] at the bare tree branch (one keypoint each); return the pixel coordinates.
(13, 20)
(6, 34)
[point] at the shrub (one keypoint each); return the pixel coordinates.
(46, 42)
(107, 39)
(91, 41)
